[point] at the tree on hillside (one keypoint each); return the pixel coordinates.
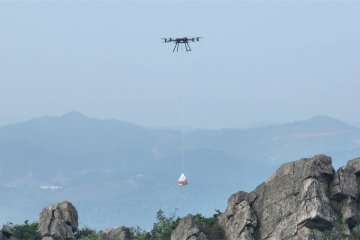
(161, 230)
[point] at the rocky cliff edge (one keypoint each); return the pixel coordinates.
(302, 200)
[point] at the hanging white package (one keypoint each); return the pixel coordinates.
(182, 180)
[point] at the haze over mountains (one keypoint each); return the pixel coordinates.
(116, 173)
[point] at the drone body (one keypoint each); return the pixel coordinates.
(179, 41)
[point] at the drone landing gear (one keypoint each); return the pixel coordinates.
(187, 47)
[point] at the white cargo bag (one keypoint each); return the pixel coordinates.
(182, 180)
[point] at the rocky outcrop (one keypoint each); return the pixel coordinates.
(239, 220)
(7, 231)
(294, 197)
(305, 199)
(58, 223)
(69, 214)
(120, 233)
(188, 230)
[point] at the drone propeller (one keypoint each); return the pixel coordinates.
(194, 39)
(167, 40)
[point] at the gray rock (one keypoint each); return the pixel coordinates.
(346, 181)
(58, 223)
(61, 231)
(120, 233)
(69, 214)
(47, 238)
(292, 204)
(238, 221)
(309, 234)
(7, 231)
(355, 163)
(45, 219)
(241, 196)
(313, 210)
(188, 230)
(350, 211)
(335, 190)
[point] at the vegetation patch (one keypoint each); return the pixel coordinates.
(85, 233)
(26, 231)
(257, 233)
(92, 236)
(327, 234)
(210, 226)
(161, 230)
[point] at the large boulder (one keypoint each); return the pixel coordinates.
(69, 214)
(344, 184)
(7, 231)
(294, 197)
(302, 200)
(240, 196)
(345, 189)
(305, 233)
(120, 233)
(239, 220)
(188, 230)
(58, 223)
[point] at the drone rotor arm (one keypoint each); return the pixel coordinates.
(167, 40)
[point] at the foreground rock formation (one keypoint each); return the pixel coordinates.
(6, 231)
(58, 223)
(120, 233)
(305, 199)
(239, 220)
(61, 222)
(188, 230)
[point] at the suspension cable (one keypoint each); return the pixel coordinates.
(182, 114)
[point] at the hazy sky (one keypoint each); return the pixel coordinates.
(259, 61)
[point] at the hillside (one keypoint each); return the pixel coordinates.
(122, 169)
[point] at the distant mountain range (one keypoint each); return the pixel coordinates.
(116, 173)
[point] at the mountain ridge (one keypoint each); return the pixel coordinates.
(123, 164)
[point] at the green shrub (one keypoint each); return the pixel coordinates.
(164, 226)
(27, 231)
(161, 230)
(92, 236)
(327, 234)
(210, 227)
(256, 233)
(139, 234)
(84, 232)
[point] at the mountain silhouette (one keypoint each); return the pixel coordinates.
(130, 171)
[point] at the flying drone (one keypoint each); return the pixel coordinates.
(182, 181)
(179, 41)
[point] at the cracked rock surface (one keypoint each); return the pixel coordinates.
(302, 200)
(188, 230)
(58, 223)
(238, 221)
(120, 233)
